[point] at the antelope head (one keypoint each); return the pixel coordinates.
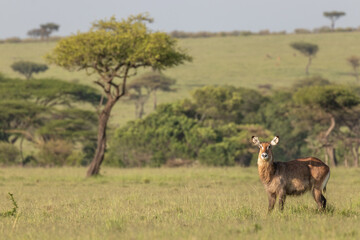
(265, 153)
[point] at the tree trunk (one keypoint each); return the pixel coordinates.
(136, 109)
(355, 150)
(330, 150)
(21, 150)
(356, 74)
(307, 66)
(94, 167)
(346, 162)
(155, 99)
(332, 126)
(141, 111)
(28, 76)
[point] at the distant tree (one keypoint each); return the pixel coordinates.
(48, 28)
(44, 31)
(333, 16)
(159, 82)
(28, 68)
(148, 84)
(136, 94)
(35, 33)
(354, 61)
(114, 50)
(308, 49)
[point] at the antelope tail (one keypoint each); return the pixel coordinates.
(323, 185)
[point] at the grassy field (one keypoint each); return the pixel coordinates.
(183, 203)
(241, 61)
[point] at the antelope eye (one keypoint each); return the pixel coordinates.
(269, 146)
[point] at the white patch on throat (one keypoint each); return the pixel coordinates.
(262, 161)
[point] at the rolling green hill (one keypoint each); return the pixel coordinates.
(246, 61)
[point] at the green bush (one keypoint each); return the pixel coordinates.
(75, 158)
(302, 31)
(216, 124)
(216, 155)
(324, 29)
(54, 153)
(149, 142)
(347, 29)
(13, 40)
(9, 154)
(174, 132)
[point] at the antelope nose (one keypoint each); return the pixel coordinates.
(264, 155)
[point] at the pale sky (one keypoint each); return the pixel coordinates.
(19, 16)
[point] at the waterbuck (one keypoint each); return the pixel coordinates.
(290, 178)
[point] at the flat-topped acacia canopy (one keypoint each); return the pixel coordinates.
(114, 50)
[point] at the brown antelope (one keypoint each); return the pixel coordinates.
(290, 178)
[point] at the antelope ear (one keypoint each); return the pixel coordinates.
(255, 140)
(275, 140)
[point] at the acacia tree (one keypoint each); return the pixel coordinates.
(158, 82)
(44, 109)
(44, 31)
(137, 95)
(145, 85)
(114, 50)
(307, 49)
(28, 68)
(330, 102)
(351, 134)
(48, 28)
(35, 33)
(333, 16)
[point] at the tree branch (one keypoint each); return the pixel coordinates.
(25, 133)
(100, 104)
(100, 84)
(123, 90)
(115, 70)
(99, 70)
(332, 126)
(117, 89)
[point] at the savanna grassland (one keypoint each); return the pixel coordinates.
(163, 203)
(247, 61)
(185, 203)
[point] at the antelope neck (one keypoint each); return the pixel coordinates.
(266, 170)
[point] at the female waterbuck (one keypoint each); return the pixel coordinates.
(290, 178)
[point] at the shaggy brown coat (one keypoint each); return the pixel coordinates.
(291, 178)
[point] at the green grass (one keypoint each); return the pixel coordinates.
(239, 61)
(183, 203)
